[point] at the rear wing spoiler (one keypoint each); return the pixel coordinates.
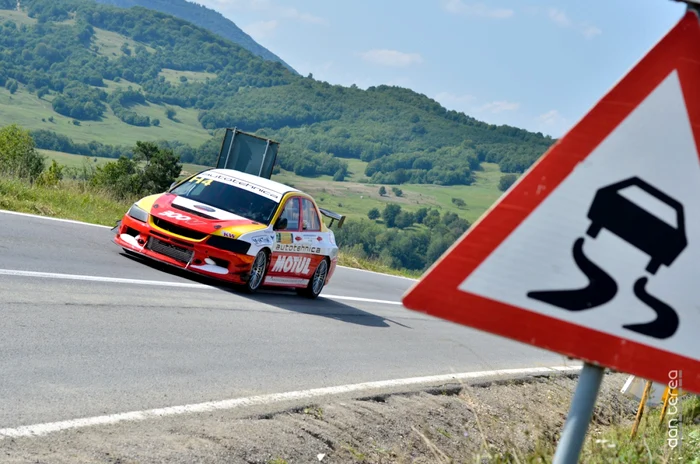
(333, 216)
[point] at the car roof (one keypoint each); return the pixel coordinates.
(261, 181)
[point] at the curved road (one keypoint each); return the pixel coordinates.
(77, 341)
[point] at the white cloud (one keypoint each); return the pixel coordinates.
(476, 9)
(499, 106)
(261, 29)
(454, 101)
(264, 6)
(590, 31)
(561, 19)
(391, 57)
(553, 123)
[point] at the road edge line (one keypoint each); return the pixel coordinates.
(82, 223)
(50, 218)
(268, 399)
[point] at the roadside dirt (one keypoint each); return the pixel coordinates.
(464, 423)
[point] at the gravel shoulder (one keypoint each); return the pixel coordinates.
(462, 423)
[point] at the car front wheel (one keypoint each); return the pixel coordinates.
(257, 272)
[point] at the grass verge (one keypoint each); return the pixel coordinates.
(72, 200)
(512, 421)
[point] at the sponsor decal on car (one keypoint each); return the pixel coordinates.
(228, 234)
(251, 187)
(293, 264)
(284, 237)
(298, 248)
(262, 240)
(175, 215)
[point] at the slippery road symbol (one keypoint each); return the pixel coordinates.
(662, 241)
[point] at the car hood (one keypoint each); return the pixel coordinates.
(195, 215)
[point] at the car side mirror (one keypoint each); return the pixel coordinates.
(281, 224)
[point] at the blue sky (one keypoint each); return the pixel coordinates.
(540, 65)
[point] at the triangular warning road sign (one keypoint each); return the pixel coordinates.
(595, 252)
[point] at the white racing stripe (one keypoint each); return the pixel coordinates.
(133, 416)
(161, 283)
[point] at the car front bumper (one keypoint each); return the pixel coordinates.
(195, 256)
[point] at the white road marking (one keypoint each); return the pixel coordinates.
(133, 416)
(70, 221)
(116, 280)
(379, 273)
(161, 283)
(354, 298)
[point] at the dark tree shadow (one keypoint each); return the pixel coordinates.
(280, 298)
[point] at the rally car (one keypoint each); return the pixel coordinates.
(236, 227)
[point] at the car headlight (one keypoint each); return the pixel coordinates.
(138, 213)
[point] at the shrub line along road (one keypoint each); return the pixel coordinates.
(82, 335)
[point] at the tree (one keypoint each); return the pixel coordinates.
(12, 85)
(389, 214)
(382, 191)
(397, 191)
(506, 181)
(373, 214)
(459, 203)
(120, 177)
(404, 219)
(421, 214)
(162, 166)
(18, 155)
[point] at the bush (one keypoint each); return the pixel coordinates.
(373, 214)
(18, 155)
(151, 170)
(506, 181)
(52, 176)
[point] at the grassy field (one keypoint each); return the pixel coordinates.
(17, 17)
(31, 112)
(355, 199)
(173, 76)
(110, 43)
(28, 110)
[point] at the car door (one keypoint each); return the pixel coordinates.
(290, 264)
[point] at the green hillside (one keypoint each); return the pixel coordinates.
(92, 79)
(203, 17)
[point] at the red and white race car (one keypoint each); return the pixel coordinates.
(236, 227)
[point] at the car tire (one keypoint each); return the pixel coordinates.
(316, 282)
(258, 270)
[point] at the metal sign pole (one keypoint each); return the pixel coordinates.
(576, 426)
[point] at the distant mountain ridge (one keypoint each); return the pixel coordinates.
(204, 17)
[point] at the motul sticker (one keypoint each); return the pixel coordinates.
(174, 215)
(292, 264)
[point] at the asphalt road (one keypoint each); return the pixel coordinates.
(78, 348)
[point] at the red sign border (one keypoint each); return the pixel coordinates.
(437, 291)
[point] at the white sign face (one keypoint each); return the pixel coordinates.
(631, 269)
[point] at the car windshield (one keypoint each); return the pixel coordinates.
(222, 195)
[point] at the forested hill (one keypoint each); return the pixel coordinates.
(203, 17)
(102, 65)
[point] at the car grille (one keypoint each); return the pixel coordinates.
(180, 254)
(175, 229)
